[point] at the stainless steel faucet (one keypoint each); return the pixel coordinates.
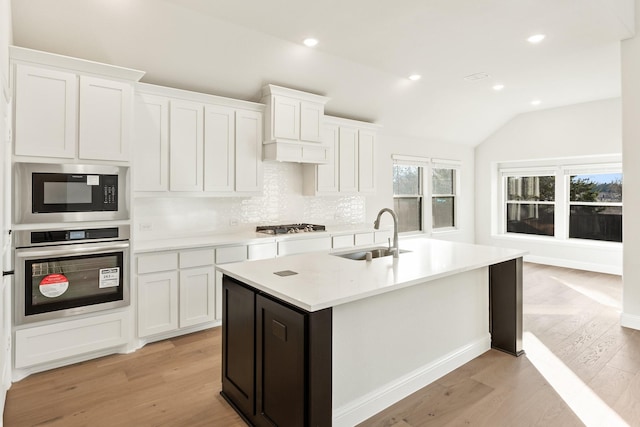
(376, 224)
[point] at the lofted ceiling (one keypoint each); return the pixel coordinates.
(366, 51)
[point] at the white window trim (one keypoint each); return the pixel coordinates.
(428, 164)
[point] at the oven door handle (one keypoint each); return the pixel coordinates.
(65, 250)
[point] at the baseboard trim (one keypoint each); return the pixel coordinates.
(630, 321)
(370, 404)
(578, 265)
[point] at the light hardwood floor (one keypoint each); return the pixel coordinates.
(574, 314)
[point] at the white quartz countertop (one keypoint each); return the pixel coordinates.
(240, 238)
(325, 280)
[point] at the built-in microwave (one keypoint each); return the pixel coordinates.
(49, 193)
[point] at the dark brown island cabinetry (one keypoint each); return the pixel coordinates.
(276, 359)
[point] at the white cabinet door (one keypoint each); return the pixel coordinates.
(248, 151)
(366, 162)
(286, 117)
(46, 112)
(348, 164)
(311, 119)
(327, 174)
(197, 296)
(157, 303)
(151, 143)
(105, 119)
(186, 146)
(219, 154)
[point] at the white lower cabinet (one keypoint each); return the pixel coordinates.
(299, 246)
(175, 290)
(157, 303)
(197, 291)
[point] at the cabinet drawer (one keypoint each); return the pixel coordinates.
(263, 250)
(342, 241)
(382, 236)
(70, 338)
(290, 247)
(157, 262)
(199, 258)
(231, 254)
(364, 239)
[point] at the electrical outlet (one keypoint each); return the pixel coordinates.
(145, 226)
(233, 222)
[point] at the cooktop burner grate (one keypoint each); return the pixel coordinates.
(289, 228)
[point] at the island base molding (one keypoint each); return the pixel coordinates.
(365, 407)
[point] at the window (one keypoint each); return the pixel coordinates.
(563, 201)
(595, 206)
(407, 197)
(530, 204)
(443, 198)
(417, 181)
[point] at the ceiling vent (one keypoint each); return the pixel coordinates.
(476, 76)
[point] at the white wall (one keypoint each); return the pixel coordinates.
(388, 144)
(631, 169)
(588, 129)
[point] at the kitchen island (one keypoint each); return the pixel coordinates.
(317, 339)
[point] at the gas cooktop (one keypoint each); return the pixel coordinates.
(289, 228)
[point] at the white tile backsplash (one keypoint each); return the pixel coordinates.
(281, 202)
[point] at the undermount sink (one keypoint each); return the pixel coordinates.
(361, 254)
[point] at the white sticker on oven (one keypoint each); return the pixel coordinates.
(109, 277)
(54, 285)
(93, 180)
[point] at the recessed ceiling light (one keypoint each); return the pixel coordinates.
(310, 42)
(537, 38)
(536, 102)
(498, 87)
(415, 77)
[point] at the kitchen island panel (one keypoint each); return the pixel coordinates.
(390, 345)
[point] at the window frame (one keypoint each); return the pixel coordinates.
(522, 173)
(455, 167)
(427, 165)
(587, 170)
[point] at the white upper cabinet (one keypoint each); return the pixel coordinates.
(327, 174)
(69, 108)
(294, 125)
(105, 119)
(352, 166)
(348, 160)
(151, 143)
(186, 134)
(219, 142)
(311, 120)
(248, 151)
(46, 111)
(207, 143)
(366, 161)
(286, 118)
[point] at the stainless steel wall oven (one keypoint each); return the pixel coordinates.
(66, 272)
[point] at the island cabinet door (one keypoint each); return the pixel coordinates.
(238, 349)
(280, 365)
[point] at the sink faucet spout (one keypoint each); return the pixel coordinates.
(376, 225)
